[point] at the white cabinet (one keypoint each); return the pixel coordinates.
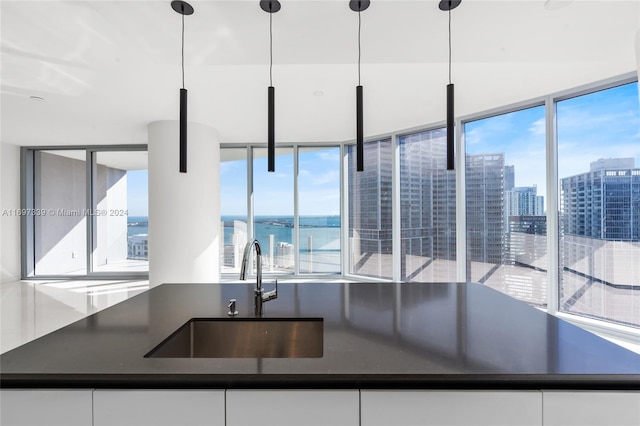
(451, 408)
(158, 407)
(591, 408)
(101, 407)
(293, 407)
(51, 407)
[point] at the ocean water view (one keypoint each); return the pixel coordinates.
(137, 225)
(323, 230)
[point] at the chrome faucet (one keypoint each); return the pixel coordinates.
(259, 295)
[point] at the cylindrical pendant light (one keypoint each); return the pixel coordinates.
(359, 6)
(183, 8)
(271, 7)
(183, 130)
(448, 5)
(359, 130)
(450, 128)
(271, 131)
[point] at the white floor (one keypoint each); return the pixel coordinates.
(30, 309)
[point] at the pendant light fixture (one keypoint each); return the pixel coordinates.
(359, 6)
(183, 8)
(448, 6)
(271, 7)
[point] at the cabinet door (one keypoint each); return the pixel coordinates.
(491, 408)
(45, 407)
(583, 408)
(158, 407)
(292, 407)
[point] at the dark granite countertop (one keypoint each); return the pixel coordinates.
(376, 335)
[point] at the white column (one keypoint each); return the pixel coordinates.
(184, 208)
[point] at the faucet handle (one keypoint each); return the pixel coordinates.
(232, 308)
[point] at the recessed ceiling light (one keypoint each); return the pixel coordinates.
(36, 98)
(318, 93)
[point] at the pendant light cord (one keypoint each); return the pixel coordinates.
(359, 49)
(182, 46)
(270, 49)
(449, 44)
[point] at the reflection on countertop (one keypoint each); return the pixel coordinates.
(375, 335)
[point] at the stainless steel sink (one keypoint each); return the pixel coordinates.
(244, 338)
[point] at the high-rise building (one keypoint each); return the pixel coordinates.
(485, 208)
(427, 200)
(522, 201)
(370, 224)
(603, 203)
(509, 177)
(526, 226)
(427, 208)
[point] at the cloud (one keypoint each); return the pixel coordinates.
(538, 127)
(331, 154)
(330, 176)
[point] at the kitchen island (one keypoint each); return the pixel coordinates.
(378, 338)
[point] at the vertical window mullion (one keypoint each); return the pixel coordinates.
(91, 206)
(250, 221)
(396, 233)
(27, 222)
(461, 205)
(553, 235)
(343, 212)
(296, 219)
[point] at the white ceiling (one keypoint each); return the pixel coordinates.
(108, 68)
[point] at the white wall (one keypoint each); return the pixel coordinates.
(184, 208)
(9, 200)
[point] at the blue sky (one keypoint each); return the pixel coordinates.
(520, 136)
(137, 192)
(318, 184)
(604, 124)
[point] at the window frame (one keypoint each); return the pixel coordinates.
(603, 327)
(296, 274)
(552, 194)
(27, 222)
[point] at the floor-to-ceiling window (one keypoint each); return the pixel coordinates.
(507, 165)
(599, 181)
(370, 245)
(319, 210)
(233, 208)
(294, 212)
(273, 210)
(427, 208)
(86, 211)
(121, 219)
(505, 203)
